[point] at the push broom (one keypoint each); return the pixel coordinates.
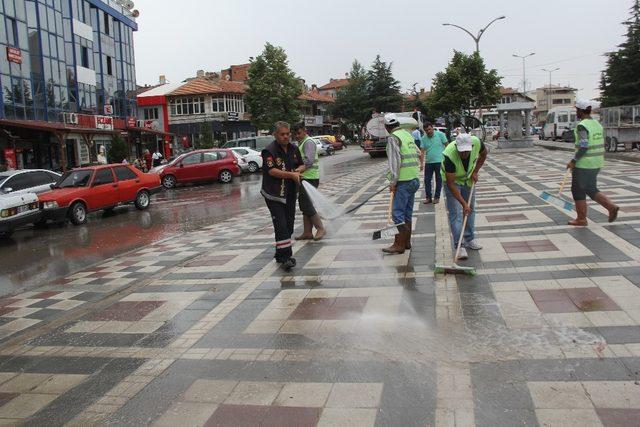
(455, 268)
(390, 230)
(558, 200)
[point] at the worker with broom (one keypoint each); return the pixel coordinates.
(404, 172)
(311, 174)
(586, 164)
(462, 162)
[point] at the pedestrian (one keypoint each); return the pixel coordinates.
(280, 180)
(432, 145)
(586, 164)
(462, 162)
(404, 172)
(157, 158)
(148, 159)
(309, 153)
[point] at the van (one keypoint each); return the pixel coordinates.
(257, 143)
(559, 120)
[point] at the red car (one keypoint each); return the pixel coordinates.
(200, 165)
(95, 188)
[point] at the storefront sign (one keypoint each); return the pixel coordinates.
(14, 55)
(10, 158)
(108, 110)
(131, 122)
(104, 122)
(232, 116)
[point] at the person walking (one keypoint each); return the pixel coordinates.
(148, 159)
(432, 145)
(586, 164)
(461, 163)
(309, 153)
(282, 166)
(157, 158)
(404, 172)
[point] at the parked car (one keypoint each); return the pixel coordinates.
(335, 143)
(320, 147)
(328, 146)
(253, 158)
(255, 142)
(200, 165)
(27, 181)
(17, 210)
(95, 188)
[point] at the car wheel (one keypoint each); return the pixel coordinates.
(169, 181)
(607, 144)
(78, 213)
(143, 200)
(225, 177)
(253, 167)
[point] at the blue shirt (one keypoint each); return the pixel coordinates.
(434, 146)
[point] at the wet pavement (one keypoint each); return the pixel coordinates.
(33, 256)
(204, 329)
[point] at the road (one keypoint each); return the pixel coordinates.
(34, 256)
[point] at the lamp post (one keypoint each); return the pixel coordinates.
(549, 91)
(477, 37)
(524, 70)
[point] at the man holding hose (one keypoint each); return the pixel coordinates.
(462, 162)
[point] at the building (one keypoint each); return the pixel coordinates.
(67, 74)
(153, 115)
(331, 89)
(548, 97)
(315, 111)
(236, 73)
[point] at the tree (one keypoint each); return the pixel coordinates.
(352, 102)
(384, 89)
(464, 85)
(118, 150)
(417, 99)
(272, 89)
(206, 139)
(620, 82)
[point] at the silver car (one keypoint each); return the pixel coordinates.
(24, 181)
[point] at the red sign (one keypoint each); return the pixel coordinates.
(131, 122)
(104, 122)
(10, 158)
(14, 55)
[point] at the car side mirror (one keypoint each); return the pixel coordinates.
(180, 165)
(7, 190)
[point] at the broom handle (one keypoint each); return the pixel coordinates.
(564, 182)
(393, 194)
(464, 225)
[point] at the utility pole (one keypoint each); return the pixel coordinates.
(549, 91)
(476, 38)
(524, 71)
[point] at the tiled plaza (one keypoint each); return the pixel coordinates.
(205, 330)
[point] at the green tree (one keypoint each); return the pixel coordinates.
(118, 150)
(352, 102)
(384, 89)
(206, 139)
(272, 89)
(620, 83)
(464, 85)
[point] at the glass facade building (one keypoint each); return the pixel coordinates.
(60, 56)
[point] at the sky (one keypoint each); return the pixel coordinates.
(322, 38)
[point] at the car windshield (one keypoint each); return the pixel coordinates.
(3, 178)
(79, 178)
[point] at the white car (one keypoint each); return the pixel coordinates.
(252, 158)
(17, 210)
(322, 151)
(27, 181)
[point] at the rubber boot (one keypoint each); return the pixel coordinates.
(606, 203)
(408, 231)
(581, 210)
(307, 233)
(316, 221)
(399, 243)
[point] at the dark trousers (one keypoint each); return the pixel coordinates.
(584, 183)
(306, 205)
(429, 170)
(283, 217)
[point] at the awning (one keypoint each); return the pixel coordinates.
(150, 131)
(56, 127)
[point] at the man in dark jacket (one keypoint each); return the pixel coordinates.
(282, 166)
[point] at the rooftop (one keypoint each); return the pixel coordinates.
(201, 86)
(335, 84)
(315, 95)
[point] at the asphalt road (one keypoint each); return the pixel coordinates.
(34, 256)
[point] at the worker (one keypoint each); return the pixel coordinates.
(460, 166)
(309, 153)
(432, 145)
(404, 172)
(282, 166)
(586, 164)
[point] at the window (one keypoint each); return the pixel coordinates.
(106, 23)
(109, 66)
(19, 182)
(241, 151)
(563, 118)
(12, 33)
(222, 155)
(551, 118)
(42, 178)
(234, 103)
(103, 176)
(217, 105)
(187, 106)
(192, 159)
(210, 157)
(150, 113)
(123, 173)
(85, 56)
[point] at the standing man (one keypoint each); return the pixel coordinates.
(282, 166)
(147, 159)
(156, 158)
(309, 153)
(460, 167)
(404, 172)
(432, 146)
(586, 165)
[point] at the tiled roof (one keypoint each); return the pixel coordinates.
(160, 90)
(202, 86)
(335, 84)
(314, 95)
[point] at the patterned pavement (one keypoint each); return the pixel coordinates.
(206, 330)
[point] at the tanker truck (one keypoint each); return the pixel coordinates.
(375, 142)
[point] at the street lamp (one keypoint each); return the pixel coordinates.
(549, 91)
(480, 33)
(524, 70)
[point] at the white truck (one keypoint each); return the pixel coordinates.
(621, 127)
(559, 120)
(376, 143)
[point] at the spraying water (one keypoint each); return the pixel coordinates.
(325, 207)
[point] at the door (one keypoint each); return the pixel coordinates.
(128, 183)
(18, 184)
(210, 168)
(188, 171)
(104, 190)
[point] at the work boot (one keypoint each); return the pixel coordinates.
(289, 264)
(606, 203)
(581, 211)
(408, 228)
(399, 243)
(307, 233)
(436, 200)
(320, 230)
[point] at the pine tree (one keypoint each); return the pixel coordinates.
(384, 89)
(620, 82)
(352, 103)
(272, 89)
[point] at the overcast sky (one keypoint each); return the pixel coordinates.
(322, 38)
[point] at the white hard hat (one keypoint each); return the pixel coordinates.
(390, 119)
(583, 104)
(464, 142)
